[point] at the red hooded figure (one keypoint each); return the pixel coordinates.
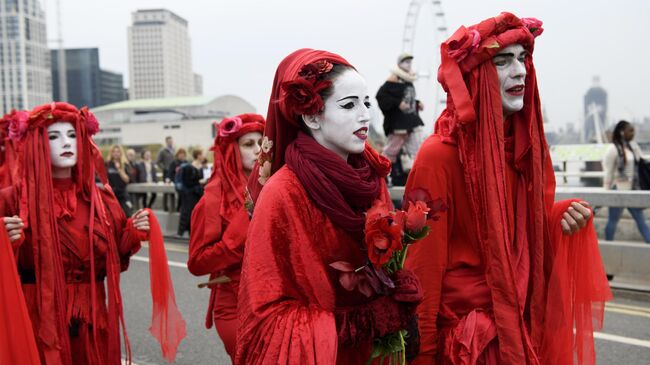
(7, 149)
(76, 240)
(220, 223)
(309, 213)
(503, 283)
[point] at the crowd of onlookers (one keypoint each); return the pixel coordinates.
(170, 167)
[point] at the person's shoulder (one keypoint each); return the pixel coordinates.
(282, 186)
(436, 151)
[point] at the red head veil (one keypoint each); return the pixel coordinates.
(517, 271)
(37, 210)
(228, 174)
(7, 149)
(283, 118)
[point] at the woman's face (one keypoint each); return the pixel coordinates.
(181, 157)
(63, 144)
(147, 155)
(511, 68)
(249, 149)
(628, 133)
(116, 154)
(342, 127)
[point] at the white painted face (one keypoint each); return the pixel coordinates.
(511, 68)
(250, 145)
(342, 127)
(63, 144)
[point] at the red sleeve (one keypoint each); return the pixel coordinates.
(9, 208)
(127, 237)
(213, 249)
(286, 299)
(428, 257)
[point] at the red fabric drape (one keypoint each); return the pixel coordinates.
(17, 344)
(167, 323)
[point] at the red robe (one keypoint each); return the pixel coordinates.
(288, 293)
(73, 235)
(456, 320)
(216, 249)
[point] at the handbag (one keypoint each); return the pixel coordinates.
(643, 168)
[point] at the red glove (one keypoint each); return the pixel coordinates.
(407, 287)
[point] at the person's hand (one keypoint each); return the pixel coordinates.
(420, 106)
(576, 217)
(14, 226)
(404, 106)
(141, 220)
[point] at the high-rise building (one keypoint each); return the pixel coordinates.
(160, 55)
(87, 84)
(198, 85)
(111, 87)
(24, 58)
(595, 112)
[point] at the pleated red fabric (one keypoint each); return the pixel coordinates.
(17, 344)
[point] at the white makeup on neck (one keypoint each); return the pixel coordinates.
(342, 127)
(63, 148)
(511, 68)
(250, 145)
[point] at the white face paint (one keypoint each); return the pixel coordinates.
(63, 145)
(511, 68)
(249, 149)
(342, 127)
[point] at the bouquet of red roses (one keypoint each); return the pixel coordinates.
(388, 235)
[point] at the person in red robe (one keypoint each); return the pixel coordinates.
(316, 177)
(508, 274)
(70, 237)
(7, 149)
(220, 221)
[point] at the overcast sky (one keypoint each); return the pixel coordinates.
(237, 44)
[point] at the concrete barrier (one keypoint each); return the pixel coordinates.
(628, 263)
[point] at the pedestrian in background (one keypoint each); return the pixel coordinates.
(620, 165)
(118, 170)
(164, 159)
(189, 178)
(146, 173)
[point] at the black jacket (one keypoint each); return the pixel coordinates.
(389, 97)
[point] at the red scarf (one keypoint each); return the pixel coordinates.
(343, 191)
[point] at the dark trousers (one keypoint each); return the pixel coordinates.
(142, 200)
(188, 199)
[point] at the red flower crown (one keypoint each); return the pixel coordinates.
(302, 95)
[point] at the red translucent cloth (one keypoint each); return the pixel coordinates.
(17, 343)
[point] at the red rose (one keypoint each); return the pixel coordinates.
(419, 194)
(383, 237)
(17, 124)
(313, 70)
(92, 125)
(463, 42)
(416, 216)
(230, 126)
(302, 96)
(534, 25)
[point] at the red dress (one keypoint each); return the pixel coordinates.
(288, 293)
(216, 249)
(72, 219)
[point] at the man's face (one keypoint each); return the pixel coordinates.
(170, 142)
(406, 65)
(511, 68)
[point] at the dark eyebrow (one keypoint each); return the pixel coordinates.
(510, 54)
(53, 132)
(348, 97)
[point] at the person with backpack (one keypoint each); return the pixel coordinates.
(620, 165)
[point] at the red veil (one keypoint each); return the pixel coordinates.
(533, 280)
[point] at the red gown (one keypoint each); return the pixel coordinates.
(217, 248)
(73, 235)
(288, 293)
(456, 320)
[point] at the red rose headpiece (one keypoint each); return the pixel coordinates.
(230, 129)
(302, 95)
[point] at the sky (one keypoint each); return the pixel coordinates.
(237, 44)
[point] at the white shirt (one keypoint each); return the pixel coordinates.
(613, 176)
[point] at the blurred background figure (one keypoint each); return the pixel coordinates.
(163, 161)
(621, 173)
(189, 180)
(397, 101)
(146, 173)
(119, 170)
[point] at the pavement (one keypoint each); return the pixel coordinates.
(625, 338)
